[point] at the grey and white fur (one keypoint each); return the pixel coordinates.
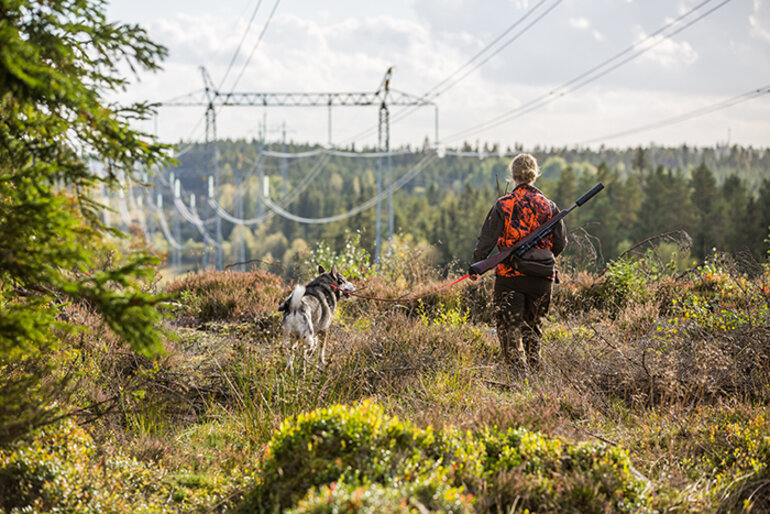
(308, 311)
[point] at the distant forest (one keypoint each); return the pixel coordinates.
(720, 196)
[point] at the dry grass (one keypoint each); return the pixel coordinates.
(662, 370)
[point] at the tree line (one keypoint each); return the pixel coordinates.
(720, 196)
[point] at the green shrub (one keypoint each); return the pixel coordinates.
(389, 463)
(353, 261)
(59, 471)
(624, 283)
(723, 301)
(62, 469)
(417, 497)
(737, 452)
(544, 474)
(358, 445)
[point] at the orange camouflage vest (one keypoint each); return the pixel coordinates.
(525, 209)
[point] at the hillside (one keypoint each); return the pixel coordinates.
(653, 397)
(718, 196)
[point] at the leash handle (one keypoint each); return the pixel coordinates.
(402, 299)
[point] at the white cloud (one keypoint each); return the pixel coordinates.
(349, 50)
(579, 23)
(665, 51)
(582, 23)
(759, 20)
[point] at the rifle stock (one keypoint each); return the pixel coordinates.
(534, 237)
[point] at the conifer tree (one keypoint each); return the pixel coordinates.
(762, 222)
(736, 209)
(59, 60)
(708, 219)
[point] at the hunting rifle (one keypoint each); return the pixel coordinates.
(520, 248)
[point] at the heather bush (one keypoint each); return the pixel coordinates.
(542, 474)
(409, 498)
(708, 459)
(403, 356)
(357, 447)
(62, 469)
(229, 295)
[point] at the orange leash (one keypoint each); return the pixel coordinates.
(404, 299)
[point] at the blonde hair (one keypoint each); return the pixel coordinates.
(524, 168)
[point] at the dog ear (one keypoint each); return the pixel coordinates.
(321, 269)
(334, 270)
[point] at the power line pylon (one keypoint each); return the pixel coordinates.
(213, 151)
(383, 97)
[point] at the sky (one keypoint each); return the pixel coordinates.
(515, 97)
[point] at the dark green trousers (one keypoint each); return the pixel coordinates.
(520, 302)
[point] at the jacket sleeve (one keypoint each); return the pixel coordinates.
(559, 233)
(490, 232)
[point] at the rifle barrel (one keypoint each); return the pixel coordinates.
(481, 267)
(590, 194)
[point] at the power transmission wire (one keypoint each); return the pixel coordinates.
(207, 238)
(164, 228)
(281, 211)
(489, 46)
(254, 49)
(566, 89)
(553, 94)
(292, 195)
(182, 96)
(238, 221)
(132, 205)
(194, 220)
(183, 192)
(335, 153)
(749, 95)
(398, 184)
(429, 93)
(238, 49)
(297, 190)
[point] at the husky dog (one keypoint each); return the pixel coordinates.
(308, 311)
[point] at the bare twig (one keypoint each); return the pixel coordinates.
(261, 261)
(595, 436)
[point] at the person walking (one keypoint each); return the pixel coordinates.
(521, 299)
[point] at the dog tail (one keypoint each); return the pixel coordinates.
(296, 298)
